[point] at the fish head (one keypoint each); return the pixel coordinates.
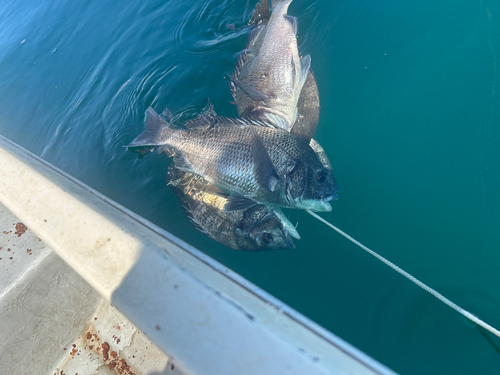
(312, 186)
(262, 229)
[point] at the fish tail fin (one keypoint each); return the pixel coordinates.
(155, 127)
(260, 13)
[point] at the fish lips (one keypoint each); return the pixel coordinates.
(316, 205)
(330, 197)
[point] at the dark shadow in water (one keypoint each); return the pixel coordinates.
(488, 338)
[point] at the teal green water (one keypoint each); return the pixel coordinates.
(410, 118)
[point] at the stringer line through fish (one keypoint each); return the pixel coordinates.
(435, 293)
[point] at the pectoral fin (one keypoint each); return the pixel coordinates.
(293, 22)
(182, 164)
(264, 168)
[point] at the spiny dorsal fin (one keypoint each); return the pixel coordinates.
(167, 115)
(260, 13)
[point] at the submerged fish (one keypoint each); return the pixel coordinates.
(253, 164)
(258, 228)
(308, 104)
(270, 73)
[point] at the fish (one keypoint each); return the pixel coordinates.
(258, 228)
(308, 104)
(254, 164)
(270, 73)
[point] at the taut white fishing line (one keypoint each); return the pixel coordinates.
(411, 278)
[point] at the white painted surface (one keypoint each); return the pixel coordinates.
(203, 316)
(48, 313)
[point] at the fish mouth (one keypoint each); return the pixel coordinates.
(329, 197)
(316, 205)
(288, 240)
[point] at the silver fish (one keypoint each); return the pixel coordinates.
(258, 228)
(308, 104)
(270, 73)
(254, 164)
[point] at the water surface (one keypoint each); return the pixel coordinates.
(410, 115)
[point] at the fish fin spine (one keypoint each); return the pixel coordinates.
(261, 13)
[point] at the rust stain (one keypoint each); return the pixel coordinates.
(105, 351)
(20, 229)
(110, 357)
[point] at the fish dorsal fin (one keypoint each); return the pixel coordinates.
(260, 13)
(198, 122)
(264, 168)
(204, 119)
(178, 180)
(251, 91)
(208, 111)
(244, 57)
(293, 22)
(189, 213)
(237, 202)
(167, 115)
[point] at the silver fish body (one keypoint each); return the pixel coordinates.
(255, 164)
(308, 103)
(258, 228)
(270, 73)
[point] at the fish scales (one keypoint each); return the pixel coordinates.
(259, 228)
(271, 65)
(261, 164)
(225, 154)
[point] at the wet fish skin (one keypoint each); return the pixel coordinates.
(308, 104)
(258, 228)
(223, 154)
(271, 65)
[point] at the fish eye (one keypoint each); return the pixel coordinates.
(267, 238)
(321, 177)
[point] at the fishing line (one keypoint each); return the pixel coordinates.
(436, 294)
